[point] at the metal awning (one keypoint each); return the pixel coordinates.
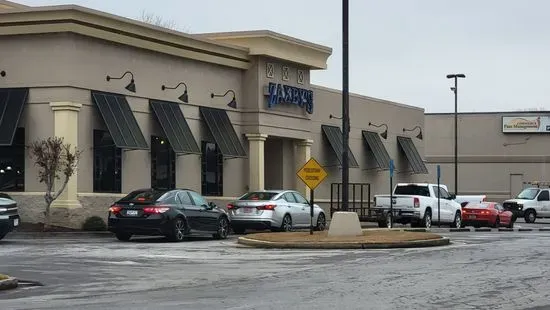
(120, 121)
(416, 162)
(334, 136)
(223, 132)
(175, 127)
(377, 148)
(12, 101)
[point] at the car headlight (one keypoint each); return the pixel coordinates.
(520, 207)
(3, 209)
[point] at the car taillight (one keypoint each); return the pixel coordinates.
(230, 206)
(485, 212)
(155, 210)
(115, 209)
(266, 207)
(416, 202)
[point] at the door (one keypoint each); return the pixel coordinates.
(444, 205)
(296, 210)
(306, 208)
(516, 184)
(208, 218)
(192, 213)
(504, 216)
(544, 201)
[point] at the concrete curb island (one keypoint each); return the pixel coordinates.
(342, 244)
(9, 283)
(49, 234)
(450, 230)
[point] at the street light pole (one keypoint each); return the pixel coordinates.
(455, 90)
(345, 104)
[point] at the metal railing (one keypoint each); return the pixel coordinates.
(359, 200)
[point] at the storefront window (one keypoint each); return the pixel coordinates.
(12, 164)
(107, 164)
(163, 164)
(212, 170)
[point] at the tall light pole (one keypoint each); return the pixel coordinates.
(345, 104)
(455, 90)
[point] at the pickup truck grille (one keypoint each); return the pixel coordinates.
(11, 209)
(511, 206)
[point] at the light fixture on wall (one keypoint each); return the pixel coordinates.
(332, 116)
(419, 135)
(232, 103)
(184, 97)
(2, 73)
(384, 134)
(131, 87)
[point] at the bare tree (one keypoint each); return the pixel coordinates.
(156, 20)
(55, 161)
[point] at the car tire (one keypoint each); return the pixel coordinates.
(122, 236)
(427, 220)
(321, 222)
(178, 230)
(530, 216)
(457, 222)
(497, 223)
(286, 225)
(223, 228)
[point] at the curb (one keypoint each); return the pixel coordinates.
(53, 234)
(447, 230)
(342, 245)
(8, 284)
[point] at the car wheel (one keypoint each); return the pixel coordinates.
(530, 216)
(223, 228)
(287, 223)
(497, 223)
(178, 230)
(321, 222)
(427, 220)
(122, 236)
(457, 222)
(238, 230)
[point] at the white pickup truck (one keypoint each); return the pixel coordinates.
(416, 203)
(531, 203)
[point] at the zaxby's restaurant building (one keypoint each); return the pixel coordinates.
(219, 113)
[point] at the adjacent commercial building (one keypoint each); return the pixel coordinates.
(497, 152)
(219, 113)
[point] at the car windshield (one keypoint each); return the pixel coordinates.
(144, 195)
(412, 190)
(258, 196)
(477, 206)
(529, 193)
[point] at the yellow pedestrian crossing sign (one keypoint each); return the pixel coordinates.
(312, 174)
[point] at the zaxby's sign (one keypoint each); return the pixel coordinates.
(286, 94)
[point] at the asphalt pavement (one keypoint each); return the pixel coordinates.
(480, 270)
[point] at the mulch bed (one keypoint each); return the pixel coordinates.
(378, 236)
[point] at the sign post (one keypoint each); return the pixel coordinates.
(391, 192)
(438, 196)
(312, 174)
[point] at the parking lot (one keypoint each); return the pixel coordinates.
(497, 270)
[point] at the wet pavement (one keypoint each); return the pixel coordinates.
(480, 270)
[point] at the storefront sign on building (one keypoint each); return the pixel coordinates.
(526, 124)
(280, 93)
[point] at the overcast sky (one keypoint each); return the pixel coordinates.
(400, 50)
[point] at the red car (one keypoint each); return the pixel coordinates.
(486, 214)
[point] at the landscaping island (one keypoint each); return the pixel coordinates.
(371, 239)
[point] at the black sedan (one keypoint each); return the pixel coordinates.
(172, 213)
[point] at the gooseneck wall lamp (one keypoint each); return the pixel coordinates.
(2, 73)
(384, 134)
(232, 103)
(131, 87)
(419, 135)
(184, 97)
(332, 116)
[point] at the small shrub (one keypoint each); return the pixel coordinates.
(94, 223)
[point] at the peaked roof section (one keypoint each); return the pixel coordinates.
(8, 5)
(276, 45)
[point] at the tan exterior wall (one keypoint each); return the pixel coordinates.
(490, 161)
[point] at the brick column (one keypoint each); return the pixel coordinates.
(66, 127)
(256, 167)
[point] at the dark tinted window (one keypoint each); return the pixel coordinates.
(543, 196)
(212, 169)
(107, 163)
(144, 195)
(412, 190)
(12, 163)
(258, 196)
(163, 164)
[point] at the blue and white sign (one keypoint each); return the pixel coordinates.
(392, 167)
(280, 93)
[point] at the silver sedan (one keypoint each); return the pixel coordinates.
(278, 210)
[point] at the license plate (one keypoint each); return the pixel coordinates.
(16, 222)
(247, 210)
(472, 217)
(132, 212)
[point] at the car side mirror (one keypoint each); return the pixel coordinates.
(452, 197)
(211, 205)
